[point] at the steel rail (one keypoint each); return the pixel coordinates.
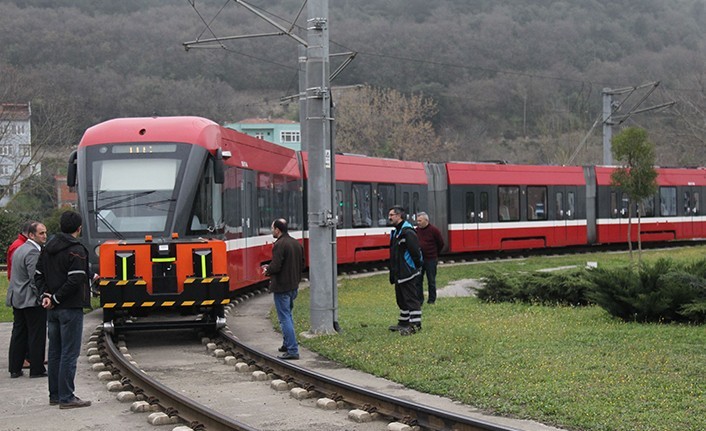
(194, 414)
(402, 410)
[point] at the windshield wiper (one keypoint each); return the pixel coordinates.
(107, 224)
(123, 198)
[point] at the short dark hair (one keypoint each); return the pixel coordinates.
(398, 209)
(280, 224)
(26, 226)
(70, 221)
(33, 227)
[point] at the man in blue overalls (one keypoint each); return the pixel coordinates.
(405, 267)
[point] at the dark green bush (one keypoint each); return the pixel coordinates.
(663, 292)
(565, 288)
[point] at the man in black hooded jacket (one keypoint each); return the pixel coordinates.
(405, 268)
(62, 277)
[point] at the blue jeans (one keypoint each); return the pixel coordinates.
(284, 304)
(65, 329)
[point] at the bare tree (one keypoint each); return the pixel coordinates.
(53, 131)
(386, 123)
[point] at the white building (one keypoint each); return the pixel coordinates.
(15, 148)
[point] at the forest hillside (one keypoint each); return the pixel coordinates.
(511, 79)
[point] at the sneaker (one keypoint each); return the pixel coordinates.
(282, 348)
(288, 356)
(395, 328)
(74, 404)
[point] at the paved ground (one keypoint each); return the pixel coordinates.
(24, 402)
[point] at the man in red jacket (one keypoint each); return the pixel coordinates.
(431, 242)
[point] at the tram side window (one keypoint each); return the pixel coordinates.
(415, 205)
(279, 205)
(508, 203)
(687, 203)
(571, 203)
(668, 201)
(362, 215)
(624, 206)
(470, 208)
(232, 188)
(386, 199)
(648, 207)
(339, 209)
(202, 219)
(405, 203)
(484, 207)
(536, 203)
(264, 203)
(695, 203)
(613, 205)
(294, 204)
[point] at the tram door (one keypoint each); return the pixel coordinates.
(692, 209)
(476, 218)
(566, 229)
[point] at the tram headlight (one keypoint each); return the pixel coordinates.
(97, 250)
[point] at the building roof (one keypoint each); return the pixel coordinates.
(15, 111)
(266, 121)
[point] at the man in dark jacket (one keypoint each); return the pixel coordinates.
(405, 268)
(285, 272)
(431, 242)
(62, 277)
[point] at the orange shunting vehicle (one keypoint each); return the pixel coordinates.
(142, 279)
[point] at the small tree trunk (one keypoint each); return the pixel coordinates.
(630, 231)
(639, 236)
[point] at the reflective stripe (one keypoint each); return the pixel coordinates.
(408, 278)
(77, 271)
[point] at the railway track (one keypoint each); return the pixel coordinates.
(321, 398)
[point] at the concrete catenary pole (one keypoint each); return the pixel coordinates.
(322, 223)
(607, 126)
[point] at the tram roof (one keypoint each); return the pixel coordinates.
(665, 177)
(372, 169)
(502, 174)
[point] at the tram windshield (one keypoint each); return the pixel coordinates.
(132, 192)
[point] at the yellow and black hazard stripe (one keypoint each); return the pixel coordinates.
(166, 304)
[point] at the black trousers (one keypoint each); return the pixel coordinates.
(29, 333)
(408, 302)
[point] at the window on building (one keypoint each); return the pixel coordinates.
(6, 170)
(289, 136)
(25, 150)
(5, 150)
(259, 135)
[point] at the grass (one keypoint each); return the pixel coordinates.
(6, 312)
(576, 368)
